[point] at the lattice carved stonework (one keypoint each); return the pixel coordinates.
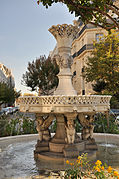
(63, 30)
(65, 100)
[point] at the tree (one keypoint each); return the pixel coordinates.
(103, 65)
(99, 86)
(7, 94)
(103, 13)
(41, 75)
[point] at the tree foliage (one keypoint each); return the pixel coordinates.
(8, 94)
(99, 86)
(103, 13)
(103, 65)
(41, 75)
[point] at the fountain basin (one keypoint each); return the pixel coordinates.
(99, 138)
(64, 109)
(64, 104)
(17, 156)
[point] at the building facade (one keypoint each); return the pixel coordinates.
(6, 76)
(82, 47)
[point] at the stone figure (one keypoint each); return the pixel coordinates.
(88, 127)
(70, 132)
(39, 127)
(64, 61)
(87, 133)
(42, 127)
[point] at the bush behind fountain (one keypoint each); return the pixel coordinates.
(17, 124)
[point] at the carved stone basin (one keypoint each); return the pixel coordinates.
(64, 108)
(65, 104)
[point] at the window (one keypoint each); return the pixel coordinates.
(83, 92)
(98, 37)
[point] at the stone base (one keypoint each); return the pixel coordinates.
(59, 152)
(54, 147)
(71, 151)
(51, 157)
(70, 154)
(91, 145)
(41, 146)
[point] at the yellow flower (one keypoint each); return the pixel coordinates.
(79, 162)
(79, 157)
(109, 169)
(112, 31)
(97, 168)
(67, 162)
(71, 163)
(98, 162)
(102, 167)
(115, 173)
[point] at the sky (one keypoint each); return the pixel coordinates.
(24, 34)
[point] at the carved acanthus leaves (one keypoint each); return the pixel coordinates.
(63, 30)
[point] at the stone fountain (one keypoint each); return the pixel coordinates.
(64, 106)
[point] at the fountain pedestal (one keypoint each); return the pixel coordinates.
(57, 143)
(64, 107)
(64, 34)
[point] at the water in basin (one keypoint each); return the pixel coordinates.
(17, 160)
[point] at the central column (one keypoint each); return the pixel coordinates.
(64, 34)
(57, 143)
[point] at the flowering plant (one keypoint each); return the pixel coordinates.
(82, 169)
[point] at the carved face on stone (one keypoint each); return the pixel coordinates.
(65, 60)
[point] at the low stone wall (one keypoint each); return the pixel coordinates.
(5, 141)
(99, 137)
(107, 138)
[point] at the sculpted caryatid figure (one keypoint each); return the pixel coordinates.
(88, 127)
(70, 132)
(42, 127)
(39, 127)
(87, 133)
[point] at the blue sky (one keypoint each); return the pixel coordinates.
(24, 33)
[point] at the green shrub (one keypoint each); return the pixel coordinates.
(53, 126)
(16, 124)
(102, 126)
